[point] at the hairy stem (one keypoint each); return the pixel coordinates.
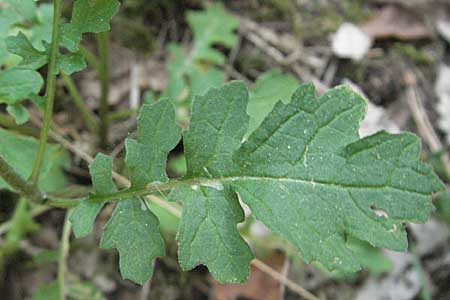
(87, 115)
(63, 252)
(49, 92)
(103, 45)
(28, 189)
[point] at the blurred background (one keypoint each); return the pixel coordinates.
(395, 52)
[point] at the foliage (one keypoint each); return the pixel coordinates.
(304, 172)
(296, 160)
(29, 46)
(195, 72)
(55, 160)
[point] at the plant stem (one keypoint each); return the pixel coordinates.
(89, 118)
(27, 189)
(122, 114)
(90, 57)
(103, 47)
(63, 252)
(7, 121)
(49, 92)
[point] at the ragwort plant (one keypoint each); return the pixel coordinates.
(299, 163)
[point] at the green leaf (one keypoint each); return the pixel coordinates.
(194, 73)
(87, 16)
(209, 222)
(370, 257)
(214, 26)
(134, 230)
(47, 292)
(306, 174)
(21, 224)
(35, 59)
(55, 160)
(25, 8)
(8, 17)
(268, 89)
(18, 84)
(217, 125)
(157, 135)
(19, 113)
(83, 216)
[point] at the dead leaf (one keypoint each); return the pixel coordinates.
(395, 22)
(259, 286)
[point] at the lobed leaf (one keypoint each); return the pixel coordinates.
(87, 16)
(157, 135)
(209, 222)
(304, 172)
(83, 216)
(195, 72)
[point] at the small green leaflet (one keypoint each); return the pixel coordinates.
(18, 112)
(52, 176)
(195, 72)
(157, 134)
(21, 224)
(87, 16)
(304, 172)
(208, 235)
(17, 84)
(268, 89)
(35, 59)
(83, 216)
(133, 229)
(210, 27)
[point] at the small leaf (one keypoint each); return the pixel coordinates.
(268, 89)
(212, 27)
(157, 135)
(47, 292)
(21, 224)
(134, 230)
(35, 59)
(195, 73)
(83, 216)
(19, 113)
(217, 125)
(55, 160)
(209, 222)
(31, 57)
(87, 16)
(17, 84)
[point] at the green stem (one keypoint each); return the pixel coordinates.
(28, 189)
(90, 57)
(49, 92)
(103, 46)
(63, 252)
(7, 121)
(122, 114)
(89, 118)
